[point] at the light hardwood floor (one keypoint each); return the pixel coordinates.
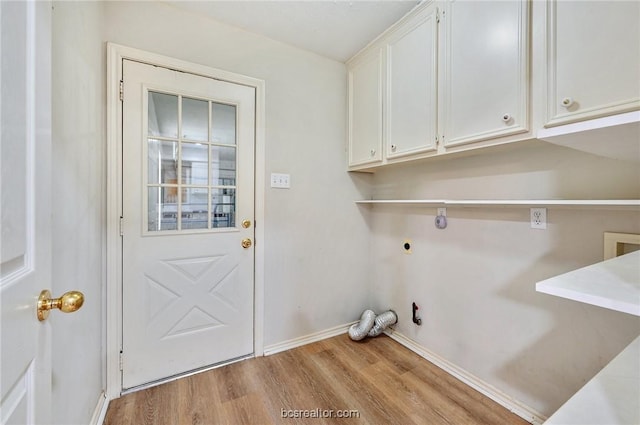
(382, 381)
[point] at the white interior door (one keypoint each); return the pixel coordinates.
(25, 185)
(188, 206)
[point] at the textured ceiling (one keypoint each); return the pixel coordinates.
(333, 28)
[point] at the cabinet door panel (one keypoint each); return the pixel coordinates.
(594, 59)
(485, 89)
(365, 110)
(412, 87)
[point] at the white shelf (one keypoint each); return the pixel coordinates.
(612, 284)
(611, 397)
(556, 203)
(426, 202)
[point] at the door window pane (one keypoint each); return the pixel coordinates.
(163, 115)
(195, 119)
(223, 126)
(162, 208)
(223, 208)
(195, 160)
(162, 162)
(223, 166)
(195, 208)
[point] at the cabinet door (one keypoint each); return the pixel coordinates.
(411, 116)
(365, 109)
(594, 59)
(485, 90)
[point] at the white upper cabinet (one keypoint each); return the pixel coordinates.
(393, 93)
(485, 63)
(460, 75)
(593, 59)
(410, 119)
(451, 70)
(365, 109)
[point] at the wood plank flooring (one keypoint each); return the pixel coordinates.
(375, 381)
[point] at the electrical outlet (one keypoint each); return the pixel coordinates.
(538, 218)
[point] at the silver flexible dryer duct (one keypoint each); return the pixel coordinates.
(359, 330)
(383, 321)
(372, 325)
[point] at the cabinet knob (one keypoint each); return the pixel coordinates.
(393, 148)
(372, 152)
(567, 102)
(506, 117)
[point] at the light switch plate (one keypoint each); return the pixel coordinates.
(280, 181)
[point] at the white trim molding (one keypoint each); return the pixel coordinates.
(520, 409)
(115, 55)
(100, 411)
(307, 339)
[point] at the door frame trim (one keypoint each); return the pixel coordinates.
(112, 313)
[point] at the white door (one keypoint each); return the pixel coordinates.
(188, 214)
(25, 185)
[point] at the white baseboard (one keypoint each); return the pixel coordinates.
(100, 411)
(525, 412)
(307, 339)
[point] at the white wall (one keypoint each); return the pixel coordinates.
(315, 238)
(475, 280)
(78, 206)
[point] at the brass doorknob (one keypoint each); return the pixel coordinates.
(246, 243)
(68, 303)
(246, 223)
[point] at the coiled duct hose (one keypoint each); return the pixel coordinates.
(359, 330)
(383, 321)
(372, 325)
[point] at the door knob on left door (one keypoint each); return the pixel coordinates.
(68, 303)
(246, 243)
